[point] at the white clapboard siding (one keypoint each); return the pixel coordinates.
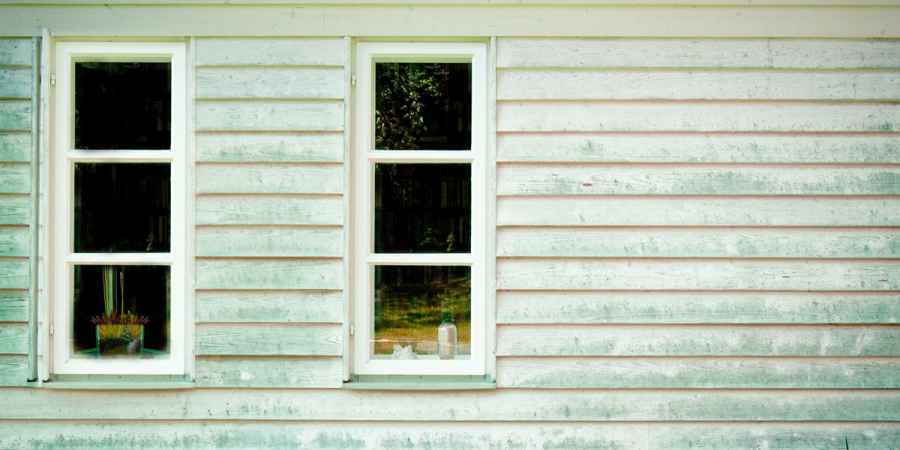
(269, 372)
(15, 147)
(269, 210)
(275, 241)
(270, 52)
(269, 274)
(259, 115)
(270, 147)
(306, 306)
(270, 82)
(268, 179)
(15, 82)
(268, 340)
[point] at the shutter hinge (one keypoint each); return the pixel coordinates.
(52, 79)
(352, 80)
(51, 329)
(352, 329)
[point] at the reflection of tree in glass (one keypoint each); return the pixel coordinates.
(403, 92)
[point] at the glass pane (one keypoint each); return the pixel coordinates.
(423, 106)
(121, 312)
(123, 105)
(422, 312)
(423, 208)
(121, 207)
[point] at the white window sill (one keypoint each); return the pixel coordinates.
(118, 382)
(420, 383)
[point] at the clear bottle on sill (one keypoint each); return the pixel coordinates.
(447, 337)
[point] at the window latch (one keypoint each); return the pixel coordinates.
(352, 80)
(52, 79)
(352, 329)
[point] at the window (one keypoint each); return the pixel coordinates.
(118, 202)
(419, 275)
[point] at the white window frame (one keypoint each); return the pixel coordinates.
(365, 158)
(63, 159)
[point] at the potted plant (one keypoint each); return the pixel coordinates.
(117, 332)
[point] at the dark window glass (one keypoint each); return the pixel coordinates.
(122, 207)
(121, 311)
(422, 208)
(423, 106)
(123, 105)
(411, 302)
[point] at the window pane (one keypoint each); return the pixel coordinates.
(121, 312)
(423, 208)
(121, 207)
(419, 310)
(123, 105)
(423, 106)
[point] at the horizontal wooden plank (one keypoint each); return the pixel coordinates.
(14, 274)
(275, 306)
(697, 116)
(14, 306)
(271, 82)
(647, 211)
(698, 340)
(732, 53)
(269, 274)
(269, 241)
(696, 85)
(698, 243)
(698, 148)
(270, 179)
(688, 274)
(269, 210)
(123, 435)
(716, 373)
(269, 372)
(13, 338)
(16, 52)
(14, 241)
(270, 147)
(268, 340)
(15, 178)
(501, 405)
(585, 179)
(269, 116)
(13, 370)
(15, 115)
(270, 52)
(525, 307)
(16, 83)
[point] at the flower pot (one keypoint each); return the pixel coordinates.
(120, 339)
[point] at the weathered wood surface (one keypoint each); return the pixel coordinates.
(698, 340)
(702, 274)
(697, 116)
(263, 241)
(595, 179)
(15, 147)
(695, 53)
(269, 210)
(514, 405)
(14, 274)
(15, 115)
(270, 306)
(259, 372)
(260, 115)
(696, 85)
(268, 339)
(715, 373)
(269, 82)
(271, 179)
(130, 435)
(599, 307)
(272, 147)
(13, 370)
(13, 338)
(270, 52)
(16, 52)
(14, 306)
(699, 242)
(705, 211)
(269, 274)
(14, 241)
(698, 148)
(16, 83)
(15, 178)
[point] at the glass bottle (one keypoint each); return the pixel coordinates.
(447, 337)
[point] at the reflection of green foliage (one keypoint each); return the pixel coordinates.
(403, 91)
(421, 305)
(433, 241)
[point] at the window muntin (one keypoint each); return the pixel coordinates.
(118, 234)
(420, 211)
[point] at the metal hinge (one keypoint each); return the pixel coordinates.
(52, 79)
(352, 329)
(352, 80)
(51, 329)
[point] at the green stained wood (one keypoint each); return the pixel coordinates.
(270, 147)
(272, 51)
(13, 370)
(14, 274)
(269, 372)
(585, 179)
(15, 147)
(698, 148)
(15, 115)
(585, 307)
(269, 179)
(14, 241)
(270, 82)
(697, 243)
(15, 178)
(266, 306)
(270, 241)
(655, 211)
(16, 52)
(698, 340)
(269, 116)
(13, 338)
(269, 210)
(514, 405)
(15, 210)
(679, 373)
(268, 339)
(269, 274)
(16, 83)
(14, 306)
